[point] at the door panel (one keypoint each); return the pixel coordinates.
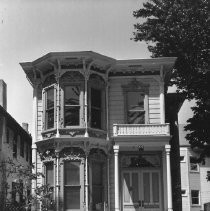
(141, 190)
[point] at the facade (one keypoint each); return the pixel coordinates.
(195, 187)
(15, 150)
(99, 132)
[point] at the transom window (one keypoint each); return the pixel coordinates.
(72, 185)
(72, 105)
(135, 108)
(96, 108)
(49, 108)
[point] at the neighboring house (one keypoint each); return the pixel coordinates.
(99, 132)
(15, 148)
(195, 187)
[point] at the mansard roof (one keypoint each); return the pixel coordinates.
(96, 62)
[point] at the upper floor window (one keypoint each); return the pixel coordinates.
(135, 108)
(96, 108)
(72, 105)
(193, 164)
(49, 107)
(22, 147)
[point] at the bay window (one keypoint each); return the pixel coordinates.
(72, 185)
(72, 105)
(96, 108)
(49, 107)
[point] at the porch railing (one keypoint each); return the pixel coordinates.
(141, 130)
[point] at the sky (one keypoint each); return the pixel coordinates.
(31, 29)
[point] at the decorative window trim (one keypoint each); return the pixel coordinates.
(44, 104)
(136, 86)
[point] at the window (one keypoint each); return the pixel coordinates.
(96, 108)
(49, 174)
(72, 185)
(97, 184)
(72, 106)
(15, 146)
(14, 191)
(193, 164)
(49, 179)
(195, 197)
(27, 152)
(49, 108)
(8, 135)
(135, 108)
(22, 147)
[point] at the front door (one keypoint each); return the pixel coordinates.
(141, 190)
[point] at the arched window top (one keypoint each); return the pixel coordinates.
(49, 81)
(96, 81)
(71, 77)
(135, 85)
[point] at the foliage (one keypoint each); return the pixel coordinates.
(181, 28)
(22, 176)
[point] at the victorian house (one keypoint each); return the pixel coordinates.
(99, 132)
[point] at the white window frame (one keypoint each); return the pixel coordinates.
(81, 104)
(199, 201)
(44, 97)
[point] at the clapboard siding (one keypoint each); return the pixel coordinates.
(117, 101)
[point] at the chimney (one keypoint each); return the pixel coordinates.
(3, 94)
(25, 126)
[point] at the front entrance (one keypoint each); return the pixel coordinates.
(141, 190)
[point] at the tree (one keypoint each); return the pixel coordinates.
(181, 28)
(22, 177)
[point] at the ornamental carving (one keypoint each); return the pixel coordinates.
(72, 132)
(136, 85)
(71, 76)
(49, 81)
(47, 155)
(72, 153)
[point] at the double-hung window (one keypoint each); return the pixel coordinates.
(135, 108)
(195, 197)
(72, 185)
(49, 107)
(72, 105)
(96, 108)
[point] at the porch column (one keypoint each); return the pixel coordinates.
(116, 177)
(86, 182)
(57, 180)
(34, 136)
(168, 172)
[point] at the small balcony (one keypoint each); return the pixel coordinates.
(134, 130)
